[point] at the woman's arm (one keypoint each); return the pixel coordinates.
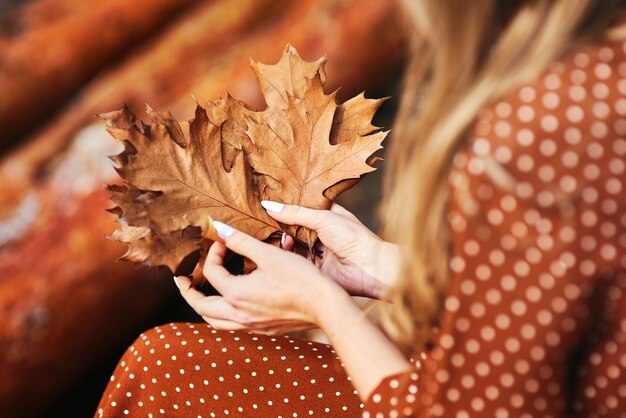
(367, 354)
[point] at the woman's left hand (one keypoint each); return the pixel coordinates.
(283, 294)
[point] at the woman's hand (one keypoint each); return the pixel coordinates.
(287, 290)
(284, 293)
(353, 256)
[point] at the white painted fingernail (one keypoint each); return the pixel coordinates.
(223, 230)
(176, 282)
(282, 239)
(271, 206)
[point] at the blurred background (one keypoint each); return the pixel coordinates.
(68, 309)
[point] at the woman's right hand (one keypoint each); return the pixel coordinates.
(353, 256)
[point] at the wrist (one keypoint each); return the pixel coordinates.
(378, 290)
(388, 266)
(328, 297)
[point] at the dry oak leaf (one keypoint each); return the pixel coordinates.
(353, 119)
(288, 78)
(176, 179)
(146, 244)
(304, 143)
(304, 149)
(151, 249)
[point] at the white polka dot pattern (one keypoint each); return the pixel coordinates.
(535, 319)
(193, 370)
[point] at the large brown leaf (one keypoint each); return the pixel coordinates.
(302, 149)
(291, 139)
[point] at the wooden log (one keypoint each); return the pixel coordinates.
(53, 247)
(49, 48)
(63, 313)
(56, 268)
(363, 40)
(160, 74)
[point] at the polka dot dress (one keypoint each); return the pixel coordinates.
(534, 324)
(535, 319)
(193, 370)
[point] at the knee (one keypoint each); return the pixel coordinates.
(166, 336)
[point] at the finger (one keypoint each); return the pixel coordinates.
(224, 324)
(294, 328)
(283, 328)
(193, 297)
(217, 252)
(287, 242)
(217, 307)
(244, 244)
(214, 269)
(213, 309)
(341, 211)
(297, 215)
(196, 275)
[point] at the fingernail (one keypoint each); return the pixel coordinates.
(176, 282)
(223, 230)
(282, 239)
(271, 206)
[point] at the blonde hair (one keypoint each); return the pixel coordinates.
(464, 55)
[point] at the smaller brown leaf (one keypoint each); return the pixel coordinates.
(151, 249)
(232, 116)
(132, 204)
(167, 126)
(170, 187)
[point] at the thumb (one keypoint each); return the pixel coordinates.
(242, 243)
(297, 215)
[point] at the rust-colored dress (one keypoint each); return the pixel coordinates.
(535, 319)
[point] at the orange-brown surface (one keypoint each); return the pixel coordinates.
(68, 308)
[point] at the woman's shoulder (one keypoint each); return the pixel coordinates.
(562, 132)
(546, 164)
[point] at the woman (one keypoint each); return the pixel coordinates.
(507, 210)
